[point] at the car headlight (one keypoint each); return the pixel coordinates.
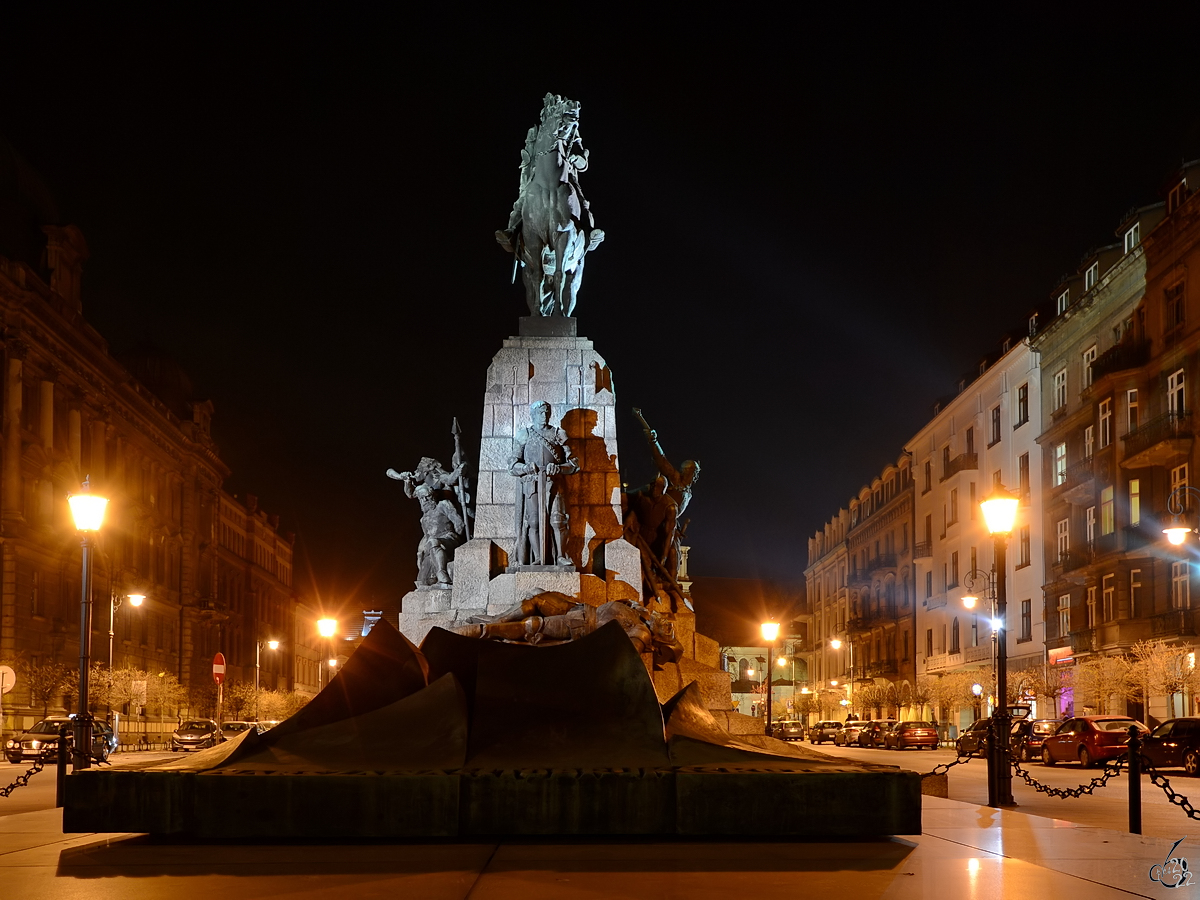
(11, 744)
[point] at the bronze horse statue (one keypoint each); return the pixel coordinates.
(551, 228)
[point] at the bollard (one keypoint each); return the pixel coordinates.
(61, 775)
(1135, 781)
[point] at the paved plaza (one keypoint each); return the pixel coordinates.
(963, 852)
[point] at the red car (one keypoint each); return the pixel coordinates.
(1089, 739)
(911, 734)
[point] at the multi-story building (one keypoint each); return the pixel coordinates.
(983, 436)
(1105, 466)
(132, 425)
(861, 588)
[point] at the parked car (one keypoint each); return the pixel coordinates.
(1174, 744)
(911, 734)
(232, 730)
(976, 739)
(1027, 737)
(789, 730)
(873, 732)
(821, 732)
(195, 734)
(1089, 739)
(266, 725)
(848, 734)
(42, 739)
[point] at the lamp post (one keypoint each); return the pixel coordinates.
(258, 645)
(1179, 526)
(327, 628)
(836, 644)
(770, 631)
(87, 509)
(982, 585)
(999, 512)
(114, 603)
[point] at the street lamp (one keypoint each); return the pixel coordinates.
(87, 509)
(114, 603)
(836, 644)
(999, 512)
(1179, 526)
(770, 631)
(327, 628)
(258, 645)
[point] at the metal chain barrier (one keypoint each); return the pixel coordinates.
(943, 768)
(1111, 770)
(1173, 796)
(22, 780)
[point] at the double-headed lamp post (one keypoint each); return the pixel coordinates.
(836, 644)
(770, 631)
(87, 509)
(327, 628)
(258, 645)
(1000, 512)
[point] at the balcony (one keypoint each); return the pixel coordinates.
(1125, 355)
(881, 668)
(923, 550)
(1159, 441)
(1070, 560)
(960, 463)
(872, 618)
(882, 561)
(1077, 483)
(1083, 641)
(1175, 622)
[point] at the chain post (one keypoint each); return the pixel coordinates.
(1135, 781)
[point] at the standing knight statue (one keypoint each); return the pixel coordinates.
(550, 229)
(540, 461)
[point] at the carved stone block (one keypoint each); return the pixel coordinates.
(494, 453)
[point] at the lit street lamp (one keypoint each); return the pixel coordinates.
(327, 628)
(87, 509)
(999, 512)
(114, 603)
(770, 631)
(836, 644)
(258, 645)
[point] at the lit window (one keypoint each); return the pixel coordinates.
(1022, 405)
(1131, 404)
(1063, 534)
(1089, 441)
(1107, 518)
(1089, 520)
(1091, 606)
(1135, 501)
(1105, 423)
(1181, 590)
(1064, 615)
(1176, 397)
(1060, 463)
(1064, 300)
(1179, 478)
(1091, 276)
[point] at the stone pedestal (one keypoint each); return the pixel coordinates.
(546, 361)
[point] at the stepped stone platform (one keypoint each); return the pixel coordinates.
(465, 738)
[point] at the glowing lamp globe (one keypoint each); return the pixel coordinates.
(1000, 511)
(274, 645)
(836, 644)
(770, 631)
(137, 599)
(1177, 530)
(87, 509)
(326, 627)
(977, 689)
(969, 601)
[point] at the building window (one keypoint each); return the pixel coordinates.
(1026, 621)
(1064, 300)
(1176, 400)
(1060, 388)
(1135, 591)
(970, 442)
(928, 477)
(1023, 546)
(1181, 592)
(1108, 597)
(1063, 535)
(928, 533)
(1090, 524)
(953, 582)
(1064, 615)
(954, 642)
(953, 507)
(1091, 276)
(928, 585)
(971, 504)
(1133, 236)
(995, 426)
(1023, 476)
(1135, 501)
(1105, 422)
(1060, 463)
(1173, 313)
(929, 642)
(974, 631)
(1179, 479)
(1091, 606)
(1107, 518)
(1022, 405)
(1089, 357)
(1089, 441)
(1131, 404)
(1176, 196)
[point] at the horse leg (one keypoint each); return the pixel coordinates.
(562, 243)
(531, 274)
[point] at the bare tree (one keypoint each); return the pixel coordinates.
(1098, 680)
(48, 681)
(1157, 668)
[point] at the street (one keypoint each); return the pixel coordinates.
(1107, 807)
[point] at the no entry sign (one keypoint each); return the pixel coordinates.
(219, 668)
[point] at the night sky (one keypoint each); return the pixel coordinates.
(814, 226)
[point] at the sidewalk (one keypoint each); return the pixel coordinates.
(964, 852)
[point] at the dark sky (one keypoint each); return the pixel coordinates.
(814, 225)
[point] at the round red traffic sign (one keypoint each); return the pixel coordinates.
(219, 668)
